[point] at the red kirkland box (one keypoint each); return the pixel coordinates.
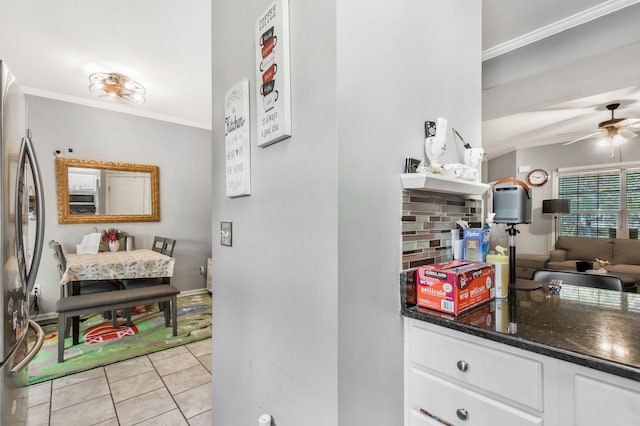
(455, 286)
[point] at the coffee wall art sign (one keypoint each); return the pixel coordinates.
(273, 86)
(237, 140)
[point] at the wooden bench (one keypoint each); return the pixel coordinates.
(73, 306)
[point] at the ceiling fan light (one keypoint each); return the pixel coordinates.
(606, 141)
(618, 140)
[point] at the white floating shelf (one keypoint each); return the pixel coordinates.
(442, 183)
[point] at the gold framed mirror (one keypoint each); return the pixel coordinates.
(92, 191)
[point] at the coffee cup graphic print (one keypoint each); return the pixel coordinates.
(273, 85)
(268, 41)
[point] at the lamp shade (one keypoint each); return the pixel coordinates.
(557, 205)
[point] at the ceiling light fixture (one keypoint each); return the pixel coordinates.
(117, 87)
(616, 137)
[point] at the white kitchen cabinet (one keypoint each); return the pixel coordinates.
(416, 418)
(468, 380)
(459, 404)
(497, 372)
(83, 181)
(592, 398)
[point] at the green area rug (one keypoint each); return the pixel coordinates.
(147, 335)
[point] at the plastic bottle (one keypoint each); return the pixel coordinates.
(486, 240)
(501, 262)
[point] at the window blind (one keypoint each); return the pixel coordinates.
(602, 203)
(595, 204)
(633, 202)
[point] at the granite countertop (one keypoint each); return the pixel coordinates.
(596, 328)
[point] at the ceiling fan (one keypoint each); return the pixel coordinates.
(614, 132)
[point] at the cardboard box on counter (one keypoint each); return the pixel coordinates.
(482, 315)
(410, 286)
(455, 286)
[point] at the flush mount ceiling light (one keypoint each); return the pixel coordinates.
(117, 87)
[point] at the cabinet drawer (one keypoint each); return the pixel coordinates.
(451, 402)
(416, 418)
(506, 375)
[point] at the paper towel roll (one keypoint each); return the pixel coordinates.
(441, 128)
(264, 420)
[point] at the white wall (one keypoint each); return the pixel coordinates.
(503, 166)
(306, 302)
(399, 64)
(275, 290)
(182, 153)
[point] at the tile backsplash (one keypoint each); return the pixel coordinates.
(427, 221)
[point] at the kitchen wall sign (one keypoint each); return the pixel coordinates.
(273, 85)
(237, 140)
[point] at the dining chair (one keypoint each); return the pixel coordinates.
(80, 287)
(158, 244)
(162, 245)
(581, 279)
(169, 245)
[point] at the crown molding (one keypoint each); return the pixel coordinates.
(112, 107)
(562, 25)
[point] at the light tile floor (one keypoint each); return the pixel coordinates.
(171, 387)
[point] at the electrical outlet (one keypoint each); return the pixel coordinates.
(202, 270)
(36, 289)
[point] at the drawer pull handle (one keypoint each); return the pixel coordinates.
(462, 413)
(463, 365)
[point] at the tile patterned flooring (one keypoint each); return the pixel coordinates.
(171, 387)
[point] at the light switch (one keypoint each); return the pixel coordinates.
(225, 233)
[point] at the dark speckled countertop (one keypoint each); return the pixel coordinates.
(596, 328)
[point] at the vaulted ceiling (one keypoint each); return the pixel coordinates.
(550, 68)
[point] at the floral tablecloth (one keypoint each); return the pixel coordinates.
(143, 263)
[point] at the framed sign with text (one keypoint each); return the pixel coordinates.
(237, 140)
(273, 85)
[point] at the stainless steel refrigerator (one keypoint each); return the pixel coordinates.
(21, 201)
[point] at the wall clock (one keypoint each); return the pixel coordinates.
(537, 177)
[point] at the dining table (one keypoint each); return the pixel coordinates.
(116, 265)
(111, 265)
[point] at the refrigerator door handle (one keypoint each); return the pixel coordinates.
(34, 350)
(27, 151)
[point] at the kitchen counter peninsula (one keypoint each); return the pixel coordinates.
(591, 327)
